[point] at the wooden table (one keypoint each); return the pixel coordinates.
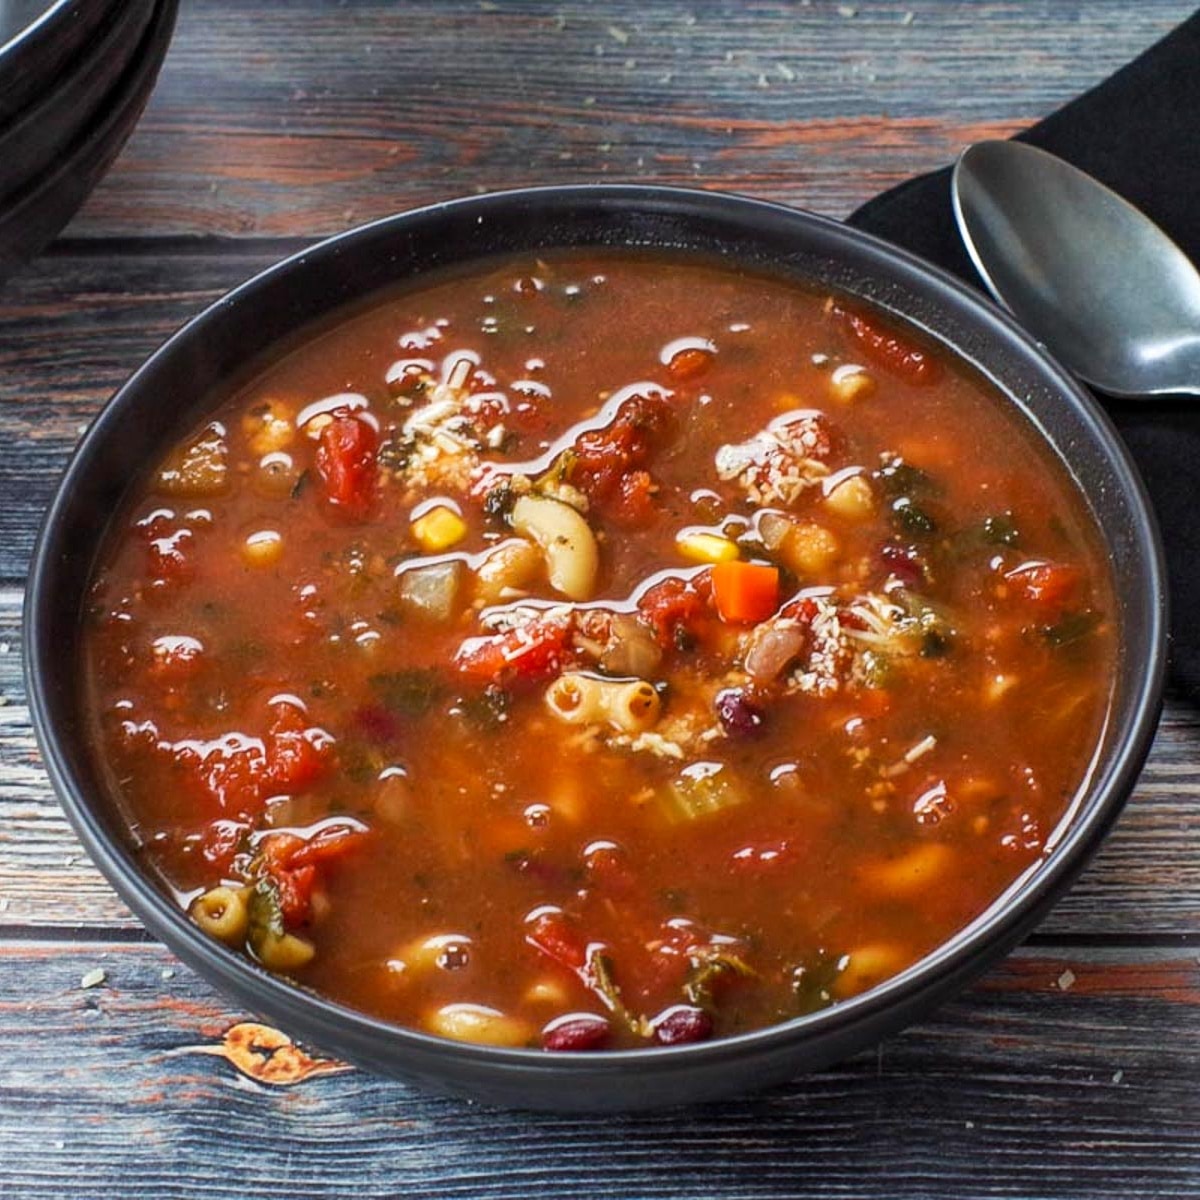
(1072, 1069)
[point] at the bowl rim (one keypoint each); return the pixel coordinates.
(52, 12)
(110, 40)
(970, 948)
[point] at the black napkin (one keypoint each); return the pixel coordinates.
(1139, 133)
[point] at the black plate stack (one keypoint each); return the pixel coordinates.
(74, 78)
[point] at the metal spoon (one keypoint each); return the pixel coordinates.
(1092, 277)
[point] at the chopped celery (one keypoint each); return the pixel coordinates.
(702, 789)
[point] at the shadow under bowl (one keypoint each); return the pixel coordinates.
(172, 390)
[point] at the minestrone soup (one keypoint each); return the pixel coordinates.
(600, 650)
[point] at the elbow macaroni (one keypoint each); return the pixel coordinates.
(631, 706)
(222, 913)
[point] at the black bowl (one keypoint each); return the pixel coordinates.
(174, 387)
(31, 217)
(72, 99)
(39, 39)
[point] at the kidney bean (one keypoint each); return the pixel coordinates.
(905, 562)
(740, 717)
(681, 1024)
(576, 1031)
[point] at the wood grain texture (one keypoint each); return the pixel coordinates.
(1071, 1070)
(73, 327)
(1024, 1087)
(1144, 884)
(321, 115)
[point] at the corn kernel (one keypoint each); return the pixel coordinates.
(263, 548)
(706, 547)
(268, 428)
(439, 529)
(850, 382)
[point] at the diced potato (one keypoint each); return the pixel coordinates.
(508, 567)
(479, 1024)
(851, 498)
(913, 872)
(773, 528)
(701, 790)
(567, 798)
(851, 382)
(199, 468)
(439, 529)
(432, 591)
(868, 965)
(566, 541)
(263, 548)
(706, 547)
(809, 549)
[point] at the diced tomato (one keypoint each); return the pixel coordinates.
(291, 863)
(888, 349)
(601, 459)
(674, 607)
(635, 506)
(295, 889)
(174, 659)
(553, 933)
(745, 593)
(802, 608)
(169, 553)
(221, 843)
(327, 845)
(1047, 583)
(346, 463)
(527, 654)
(293, 760)
(228, 771)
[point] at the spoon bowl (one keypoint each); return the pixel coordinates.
(1092, 277)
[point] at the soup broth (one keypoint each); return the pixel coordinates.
(600, 650)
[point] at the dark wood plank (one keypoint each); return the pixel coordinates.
(306, 117)
(1055, 1077)
(72, 329)
(1145, 883)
